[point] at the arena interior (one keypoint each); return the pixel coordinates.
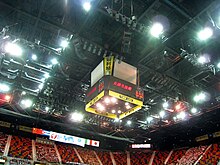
(110, 82)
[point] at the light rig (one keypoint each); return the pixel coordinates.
(114, 91)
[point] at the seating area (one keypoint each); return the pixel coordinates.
(88, 156)
(46, 153)
(140, 157)
(105, 158)
(20, 148)
(160, 157)
(192, 155)
(176, 156)
(3, 141)
(67, 153)
(120, 158)
(212, 156)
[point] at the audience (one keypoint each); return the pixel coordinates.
(120, 158)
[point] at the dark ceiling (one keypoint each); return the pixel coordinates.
(167, 65)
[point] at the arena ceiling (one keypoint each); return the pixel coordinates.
(168, 65)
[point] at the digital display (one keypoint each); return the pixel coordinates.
(141, 146)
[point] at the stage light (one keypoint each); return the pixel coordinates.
(54, 61)
(149, 119)
(23, 93)
(156, 30)
(178, 106)
(162, 114)
(165, 105)
(128, 106)
(46, 75)
(113, 100)
(129, 122)
(13, 49)
(181, 115)
(116, 120)
(4, 87)
(113, 111)
(218, 65)
(47, 109)
(40, 86)
(26, 103)
(7, 98)
(76, 117)
(101, 108)
(205, 34)
(64, 43)
(174, 118)
(98, 105)
(119, 111)
(194, 110)
(107, 100)
(34, 57)
(203, 60)
(200, 97)
(87, 6)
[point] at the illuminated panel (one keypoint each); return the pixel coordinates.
(141, 146)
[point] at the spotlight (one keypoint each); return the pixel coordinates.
(165, 105)
(107, 100)
(149, 119)
(117, 120)
(113, 100)
(7, 98)
(98, 105)
(87, 6)
(194, 110)
(102, 108)
(76, 117)
(47, 109)
(218, 65)
(203, 60)
(126, 103)
(64, 43)
(129, 122)
(23, 93)
(40, 86)
(119, 111)
(34, 57)
(181, 115)
(26, 103)
(156, 30)
(162, 114)
(54, 61)
(4, 87)
(178, 106)
(46, 75)
(113, 111)
(13, 49)
(199, 97)
(205, 34)
(127, 106)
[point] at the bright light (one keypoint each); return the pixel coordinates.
(46, 75)
(113, 111)
(126, 103)
(165, 105)
(4, 88)
(117, 119)
(199, 97)
(162, 114)
(156, 30)
(149, 119)
(13, 49)
(205, 34)
(119, 111)
(41, 86)
(7, 97)
(77, 117)
(87, 6)
(47, 109)
(178, 106)
(101, 108)
(26, 103)
(34, 57)
(113, 100)
(107, 100)
(127, 106)
(194, 110)
(129, 122)
(23, 93)
(218, 65)
(203, 60)
(181, 115)
(64, 43)
(98, 105)
(54, 61)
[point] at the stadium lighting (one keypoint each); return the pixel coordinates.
(54, 61)
(4, 87)
(205, 34)
(64, 43)
(203, 60)
(34, 57)
(13, 49)
(194, 110)
(149, 119)
(87, 6)
(113, 111)
(119, 111)
(26, 103)
(199, 97)
(77, 117)
(162, 114)
(127, 106)
(165, 105)
(107, 100)
(129, 122)
(156, 30)
(113, 100)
